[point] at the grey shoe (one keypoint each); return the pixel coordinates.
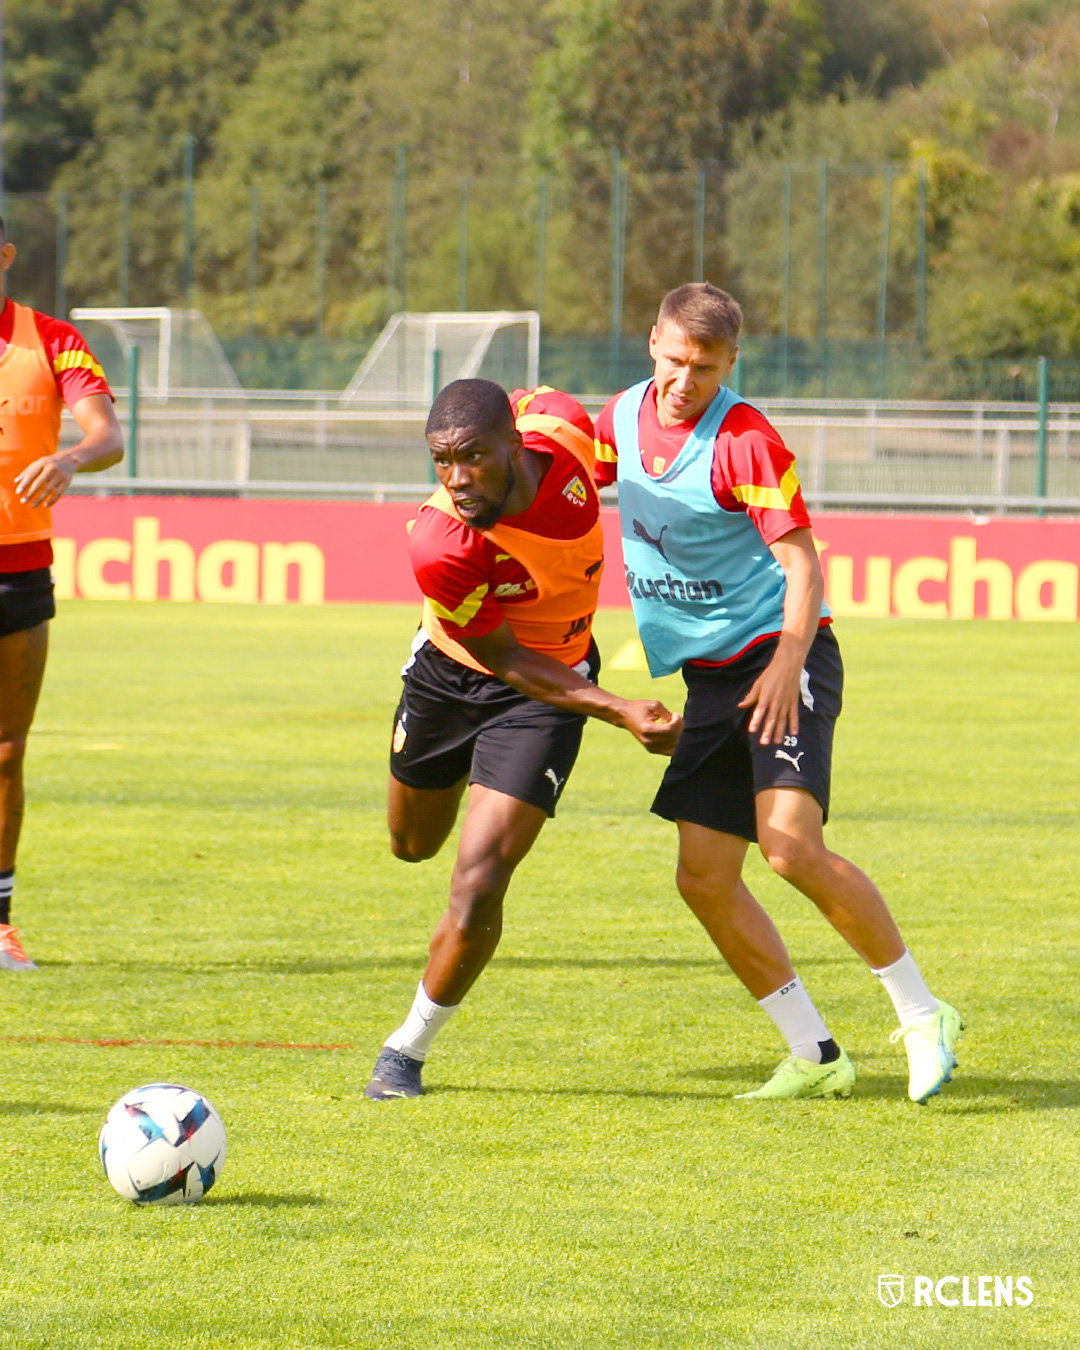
(395, 1075)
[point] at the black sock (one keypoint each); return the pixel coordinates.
(7, 885)
(830, 1051)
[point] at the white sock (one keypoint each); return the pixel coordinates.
(797, 1020)
(906, 987)
(423, 1024)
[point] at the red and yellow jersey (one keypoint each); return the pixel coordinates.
(752, 470)
(525, 569)
(47, 360)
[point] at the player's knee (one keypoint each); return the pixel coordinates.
(477, 916)
(706, 889)
(411, 848)
(690, 882)
(12, 754)
(477, 891)
(795, 860)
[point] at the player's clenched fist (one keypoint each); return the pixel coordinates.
(657, 729)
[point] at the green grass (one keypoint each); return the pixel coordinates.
(577, 1175)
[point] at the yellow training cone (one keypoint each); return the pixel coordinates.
(630, 656)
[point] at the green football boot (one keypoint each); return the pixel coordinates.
(930, 1044)
(803, 1078)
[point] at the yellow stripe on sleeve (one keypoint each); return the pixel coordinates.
(77, 360)
(774, 499)
(524, 402)
(605, 454)
(465, 611)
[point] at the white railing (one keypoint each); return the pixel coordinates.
(939, 456)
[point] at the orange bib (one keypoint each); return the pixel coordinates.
(30, 407)
(566, 572)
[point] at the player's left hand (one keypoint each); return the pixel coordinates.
(774, 696)
(44, 481)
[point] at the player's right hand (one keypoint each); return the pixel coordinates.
(650, 722)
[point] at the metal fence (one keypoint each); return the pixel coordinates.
(831, 263)
(982, 457)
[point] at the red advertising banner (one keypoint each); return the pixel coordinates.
(313, 553)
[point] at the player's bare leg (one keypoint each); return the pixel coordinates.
(420, 819)
(709, 878)
(790, 835)
(22, 667)
(789, 825)
(498, 831)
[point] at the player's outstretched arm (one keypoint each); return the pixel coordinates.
(542, 677)
(47, 479)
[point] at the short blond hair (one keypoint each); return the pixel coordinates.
(706, 314)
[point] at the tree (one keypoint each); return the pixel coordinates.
(49, 48)
(327, 108)
(167, 69)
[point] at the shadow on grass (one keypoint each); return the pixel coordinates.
(414, 961)
(966, 1095)
(967, 1091)
(628, 1094)
(44, 1109)
(267, 1200)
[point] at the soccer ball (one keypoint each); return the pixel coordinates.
(162, 1145)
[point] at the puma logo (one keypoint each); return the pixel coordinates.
(556, 782)
(643, 533)
(590, 572)
(791, 759)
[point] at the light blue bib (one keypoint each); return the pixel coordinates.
(702, 580)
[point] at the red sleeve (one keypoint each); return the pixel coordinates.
(77, 372)
(607, 456)
(555, 403)
(453, 567)
(754, 471)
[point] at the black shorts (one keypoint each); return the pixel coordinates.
(454, 722)
(26, 599)
(718, 768)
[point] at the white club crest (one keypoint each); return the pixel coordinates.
(890, 1289)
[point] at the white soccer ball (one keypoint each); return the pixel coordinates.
(162, 1145)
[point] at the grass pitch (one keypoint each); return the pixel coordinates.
(204, 860)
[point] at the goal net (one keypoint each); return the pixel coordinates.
(178, 350)
(417, 354)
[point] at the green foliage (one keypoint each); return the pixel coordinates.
(204, 859)
(50, 47)
(878, 46)
(296, 110)
(666, 83)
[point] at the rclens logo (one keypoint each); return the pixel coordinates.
(958, 1291)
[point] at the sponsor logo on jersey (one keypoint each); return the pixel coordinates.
(575, 493)
(671, 588)
(657, 543)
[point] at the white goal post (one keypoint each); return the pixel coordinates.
(178, 349)
(417, 354)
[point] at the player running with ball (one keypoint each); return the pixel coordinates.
(726, 587)
(508, 554)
